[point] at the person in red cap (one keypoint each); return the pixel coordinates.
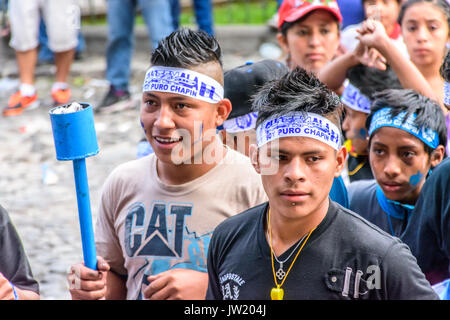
(309, 32)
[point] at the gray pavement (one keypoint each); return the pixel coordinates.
(39, 191)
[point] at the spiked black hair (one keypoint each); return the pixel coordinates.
(186, 48)
(297, 91)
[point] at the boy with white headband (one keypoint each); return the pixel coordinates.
(301, 245)
(158, 212)
(407, 135)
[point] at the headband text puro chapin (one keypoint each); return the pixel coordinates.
(299, 124)
(183, 81)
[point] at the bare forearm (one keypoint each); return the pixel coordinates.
(407, 73)
(27, 294)
(202, 287)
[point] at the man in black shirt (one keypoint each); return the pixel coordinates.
(428, 231)
(16, 279)
(301, 245)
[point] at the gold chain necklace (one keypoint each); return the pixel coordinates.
(358, 167)
(278, 293)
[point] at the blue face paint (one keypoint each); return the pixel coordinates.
(142, 125)
(415, 178)
(200, 138)
(361, 134)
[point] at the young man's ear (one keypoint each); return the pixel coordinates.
(437, 155)
(223, 111)
(341, 156)
(282, 41)
(254, 157)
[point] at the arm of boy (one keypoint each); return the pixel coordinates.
(373, 35)
(334, 74)
(177, 284)
(403, 279)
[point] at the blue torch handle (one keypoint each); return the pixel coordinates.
(84, 212)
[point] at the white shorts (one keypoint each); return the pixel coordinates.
(61, 17)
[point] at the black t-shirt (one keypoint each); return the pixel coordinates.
(359, 168)
(346, 257)
(428, 231)
(14, 264)
(362, 197)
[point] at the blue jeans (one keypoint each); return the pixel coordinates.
(121, 16)
(203, 14)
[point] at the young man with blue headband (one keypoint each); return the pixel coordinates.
(300, 244)
(407, 135)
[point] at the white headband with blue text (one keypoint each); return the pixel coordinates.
(183, 81)
(299, 124)
(354, 99)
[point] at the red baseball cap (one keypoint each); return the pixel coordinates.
(292, 10)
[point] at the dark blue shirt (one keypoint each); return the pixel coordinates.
(428, 231)
(364, 201)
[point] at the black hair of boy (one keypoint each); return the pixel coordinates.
(428, 113)
(371, 80)
(297, 91)
(185, 48)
